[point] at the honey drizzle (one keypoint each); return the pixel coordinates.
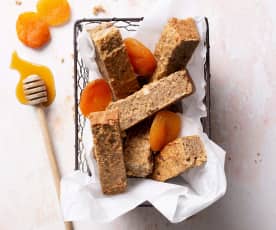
(26, 69)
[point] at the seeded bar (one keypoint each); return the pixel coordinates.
(108, 151)
(178, 156)
(113, 60)
(137, 153)
(152, 98)
(175, 47)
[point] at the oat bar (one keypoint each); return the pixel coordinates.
(109, 151)
(178, 156)
(113, 60)
(175, 47)
(137, 153)
(152, 98)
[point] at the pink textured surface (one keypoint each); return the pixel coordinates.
(243, 51)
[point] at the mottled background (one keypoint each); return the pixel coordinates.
(243, 55)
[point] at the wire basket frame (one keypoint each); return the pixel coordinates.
(81, 78)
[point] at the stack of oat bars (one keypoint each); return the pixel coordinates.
(122, 132)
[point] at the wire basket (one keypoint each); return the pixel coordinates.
(81, 78)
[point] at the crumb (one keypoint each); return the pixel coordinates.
(229, 158)
(258, 154)
(18, 2)
(255, 161)
(98, 9)
(68, 99)
(62, 60)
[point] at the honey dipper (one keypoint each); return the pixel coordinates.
(36, 94)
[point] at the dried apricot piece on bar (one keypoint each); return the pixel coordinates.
(164, 129)
(54, 12)
(95, 97)
(32, 30)
(141, 57)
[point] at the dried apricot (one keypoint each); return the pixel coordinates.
(158, 133)
(173, 126)
(141, 57)
(95, 97)
(54, 12)
(32, 30)
(164, 129)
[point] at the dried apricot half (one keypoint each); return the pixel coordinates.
(54, 12)
(141, 57)
(95, 97)
(158, 132)
(32, 30)
(164, 129)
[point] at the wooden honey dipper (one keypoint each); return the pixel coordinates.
(35, 92)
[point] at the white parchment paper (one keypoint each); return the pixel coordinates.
(179, 198)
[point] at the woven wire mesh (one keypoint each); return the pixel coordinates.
(82, 78)
(82, 81)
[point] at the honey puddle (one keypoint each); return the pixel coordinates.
(26, 69)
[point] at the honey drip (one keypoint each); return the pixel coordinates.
(26, 69)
